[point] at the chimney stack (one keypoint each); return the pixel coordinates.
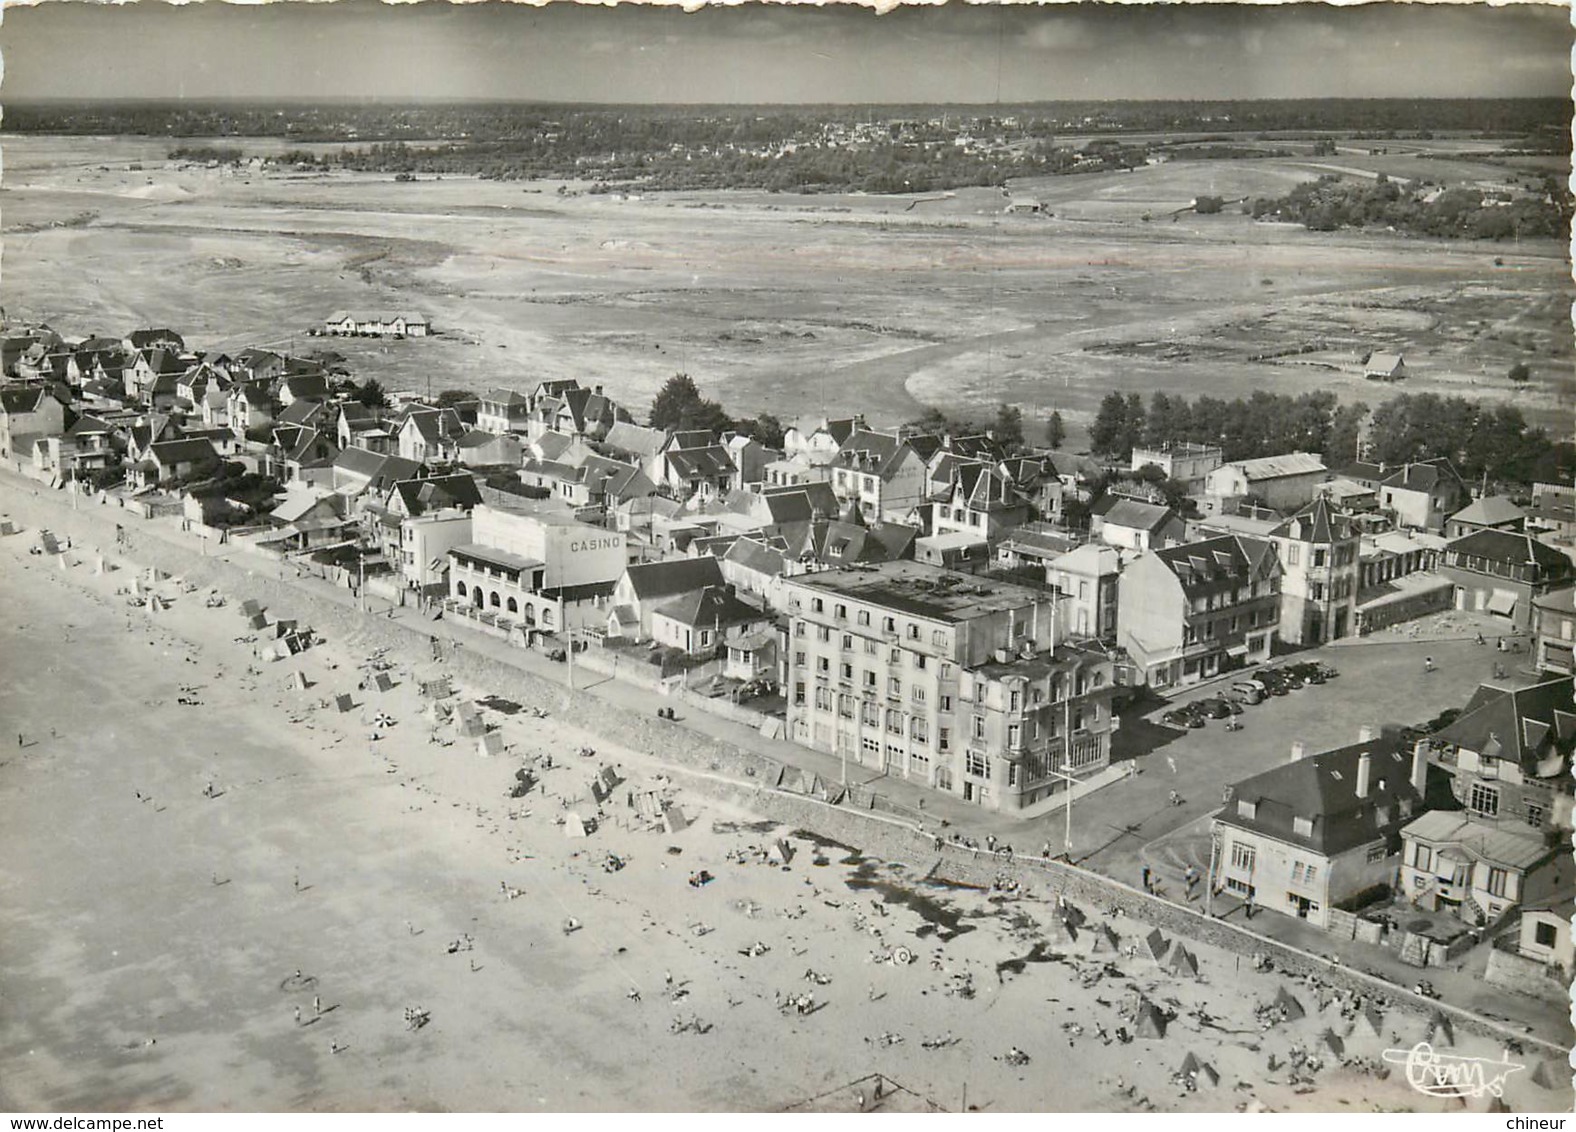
(1419, 768)
(1365, 733)
(1364, 770)
(1297, 749)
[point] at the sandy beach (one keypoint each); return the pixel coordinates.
(199, 848)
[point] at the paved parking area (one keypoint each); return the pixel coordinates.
(1382, 684)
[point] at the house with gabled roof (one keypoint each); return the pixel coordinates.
(881, 473)
(1188, 613)
(698, 622)
(1423, 494)
(171, 460)
(983, 503)
(303, 387)
(249, 406)
(28, 412)
(818, 439)
(1307, 835)
(357, 471)
(1502, 573)
(1491, 513)
(503, 411)
(429, 436)
(634, 443)
(647, 586)
(1283, 482)
(361, 426)
(1508, 758)
(701, 472)
(1132, 524)
(157, 338)
(755, 565)
(1385, 365)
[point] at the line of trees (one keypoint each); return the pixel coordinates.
(1331, 203)
(1480, 439)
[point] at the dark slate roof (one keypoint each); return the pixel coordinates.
(1525, 726)
(505, 397)
(1510, 548)
(692, 438)
(1490, 511)
(709, 607)
(1219, 564)
(876, 452)
(87, 424)
(25, 399)
(710, 461)
(302, 412)
(143, 338)
(420, 496)
(752, 554)
(665, 579)
(179, 451)
(306, 385)
(1316, 523)
(1423, 476)
(1323, 788)
(1133, 513)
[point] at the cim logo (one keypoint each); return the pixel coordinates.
(596, 544)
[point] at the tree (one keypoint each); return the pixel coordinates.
(1109, 429)
(447, 398)
(1055, 430)
(1345, 434)
(1208, 206)
(1520, 373)
(372, 394)
(679, 405)
(1009, 426)
(768, 430)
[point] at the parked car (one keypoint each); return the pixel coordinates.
(1309, 671)
(1217, 707)
(1183, 717)
(1248, 692)
(1274, 681)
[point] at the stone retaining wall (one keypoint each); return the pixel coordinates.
(873, 833)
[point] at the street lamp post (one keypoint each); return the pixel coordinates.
(1065, 773)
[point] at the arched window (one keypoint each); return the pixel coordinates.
(459, 588)
(547, 617)
(530, 614)
(477, 597)
(513, 606)
(493, 599)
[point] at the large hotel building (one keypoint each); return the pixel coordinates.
(946, 679)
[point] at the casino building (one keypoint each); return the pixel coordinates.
(529, 571)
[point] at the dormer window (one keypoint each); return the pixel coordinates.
(1302, 827)
(1246, 809)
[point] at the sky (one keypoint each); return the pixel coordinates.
(756, 53)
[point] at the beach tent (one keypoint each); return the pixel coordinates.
(343, 702)
(490, 743)
(1072, 915)
(608, 777)
(1202, 1072)
(1103, 940)
(673, 819)
(472, 728)
(7, 527)
(1289, 1005)
(574, 826)
(382, 682)
(1441, 1031)
(781, 852)
(1552, 1074)
(300, 681)
(1371, 1020)
(1155, 945)
(284, 627)
(153, 604)
(250, 608)
(1332, 1041)
(436, 689)
(1148, 1021)
(1182, 962)
(257, 621)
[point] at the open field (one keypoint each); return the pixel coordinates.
(160, 941)
(786, 303)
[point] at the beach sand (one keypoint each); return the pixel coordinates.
(154, 933)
